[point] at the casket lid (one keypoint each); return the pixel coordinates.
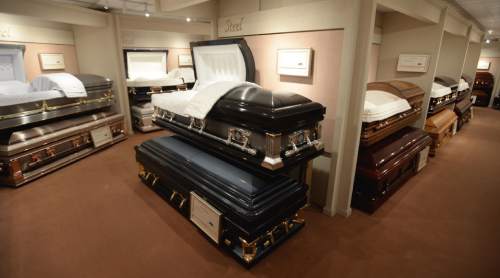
(380, 105)
(93, 81)
(12, 62)
(145, 63)
(440, 121)
(406, 90)
(223, 60)
(378, 154)
(446, 81)
(468, 79)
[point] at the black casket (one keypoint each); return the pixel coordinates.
(246, 214)
(146, 72)
(384, 166)
(248, 124)
(443, 94)
(463, 109)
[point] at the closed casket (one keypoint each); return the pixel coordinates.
(21, 105)
(444, 92)
(440, 127)
(483, 88)
(230, 116)
(384, 166)
(463, 111)
(26, 154)
(246, 214)
(142, 117)
(389, 106)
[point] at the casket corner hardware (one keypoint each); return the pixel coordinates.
(248, 250)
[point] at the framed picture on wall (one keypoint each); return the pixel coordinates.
(294, 62)
(413, 62)
(483, 65)
(51, 61)
(185, 60)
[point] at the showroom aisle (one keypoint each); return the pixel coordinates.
(95, 219)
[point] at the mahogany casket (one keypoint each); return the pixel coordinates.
(463, 109)
(443, 94)
(389, 106)
(245, 214)
(28, 153)
(441, 127)
(483, 88)
(247, 124)
(142, 117)
(384, 166)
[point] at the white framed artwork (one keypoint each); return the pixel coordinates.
(483, 65)
(294, 62)
(185, 60)
(413, 62)
(52, 61)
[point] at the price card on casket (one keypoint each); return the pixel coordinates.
(101, 136)
(422, 158)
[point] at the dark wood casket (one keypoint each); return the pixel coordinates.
(463, 109)
(247, 215)
(29, 153)
(373, 131)
(384, 166)
(443, 95)
(483, 88)
(248, 124)
(441, 127)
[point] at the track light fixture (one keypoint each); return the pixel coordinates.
(146, 12)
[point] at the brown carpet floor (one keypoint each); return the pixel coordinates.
(95, 219)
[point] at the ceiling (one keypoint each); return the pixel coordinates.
(487, 12)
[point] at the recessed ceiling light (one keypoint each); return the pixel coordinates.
(188, 19)
(490, 32)
(488, 41)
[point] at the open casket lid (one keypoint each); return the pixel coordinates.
(380, 105)
(446, 81)
(439, 90)
(376, 155)
(94, 82)
(223, 60)
(440, 120)
(12, 63)
(145, 63)
(462, 85)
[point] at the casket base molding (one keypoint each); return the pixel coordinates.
(241, 154)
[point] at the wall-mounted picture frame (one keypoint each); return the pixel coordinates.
(483, 65)
(413, 62)
(294, 62)
(185, 60)
(51, 61)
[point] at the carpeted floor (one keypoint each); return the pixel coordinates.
(95, 219)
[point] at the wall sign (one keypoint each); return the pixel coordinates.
(185, 60)
(294, 62)
(413, 62)
(483, 65)
(233, 25)
(51, 61)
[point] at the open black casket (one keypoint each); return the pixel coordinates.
(19, 105)
(146, 72)
(246, 123)
(444, 93)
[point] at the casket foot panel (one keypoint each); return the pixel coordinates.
(247, 158)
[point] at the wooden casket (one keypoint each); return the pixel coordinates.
(441, 127)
